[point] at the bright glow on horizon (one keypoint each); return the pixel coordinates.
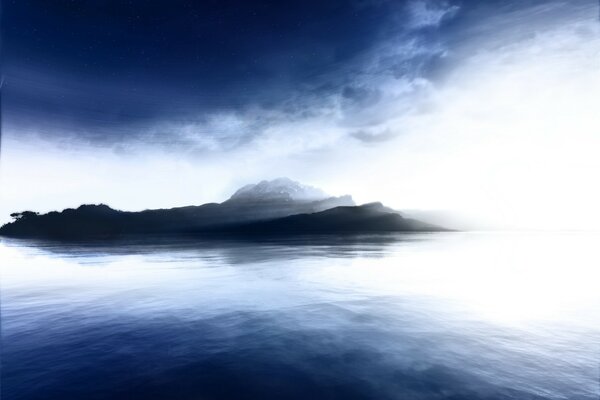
(514, 144)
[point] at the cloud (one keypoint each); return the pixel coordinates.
(373, 137)
(430, 13)
(346, 81)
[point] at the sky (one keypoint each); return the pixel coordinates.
(483, 109)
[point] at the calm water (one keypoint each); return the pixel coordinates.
(433, 316)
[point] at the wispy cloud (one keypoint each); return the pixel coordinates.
(430, 13)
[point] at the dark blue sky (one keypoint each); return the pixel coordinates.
(103, 71)
(103, 63)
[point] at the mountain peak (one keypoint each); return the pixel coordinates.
(279, 189)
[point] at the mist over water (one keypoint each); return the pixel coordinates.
(421, 316)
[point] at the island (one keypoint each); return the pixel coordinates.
(277, 207)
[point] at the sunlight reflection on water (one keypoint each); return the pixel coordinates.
(471, 315)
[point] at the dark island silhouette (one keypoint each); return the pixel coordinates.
(280, 206)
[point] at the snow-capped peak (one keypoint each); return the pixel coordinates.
(279, 189)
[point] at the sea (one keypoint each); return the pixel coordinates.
(455, 315)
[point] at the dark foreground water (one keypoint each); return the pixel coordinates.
(435, 316)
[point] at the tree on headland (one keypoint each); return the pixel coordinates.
(23, 215)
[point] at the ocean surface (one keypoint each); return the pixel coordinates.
(420, 316)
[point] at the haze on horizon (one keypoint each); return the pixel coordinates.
(483, 109)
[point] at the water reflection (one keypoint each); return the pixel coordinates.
(237, 250)
(444, 316)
